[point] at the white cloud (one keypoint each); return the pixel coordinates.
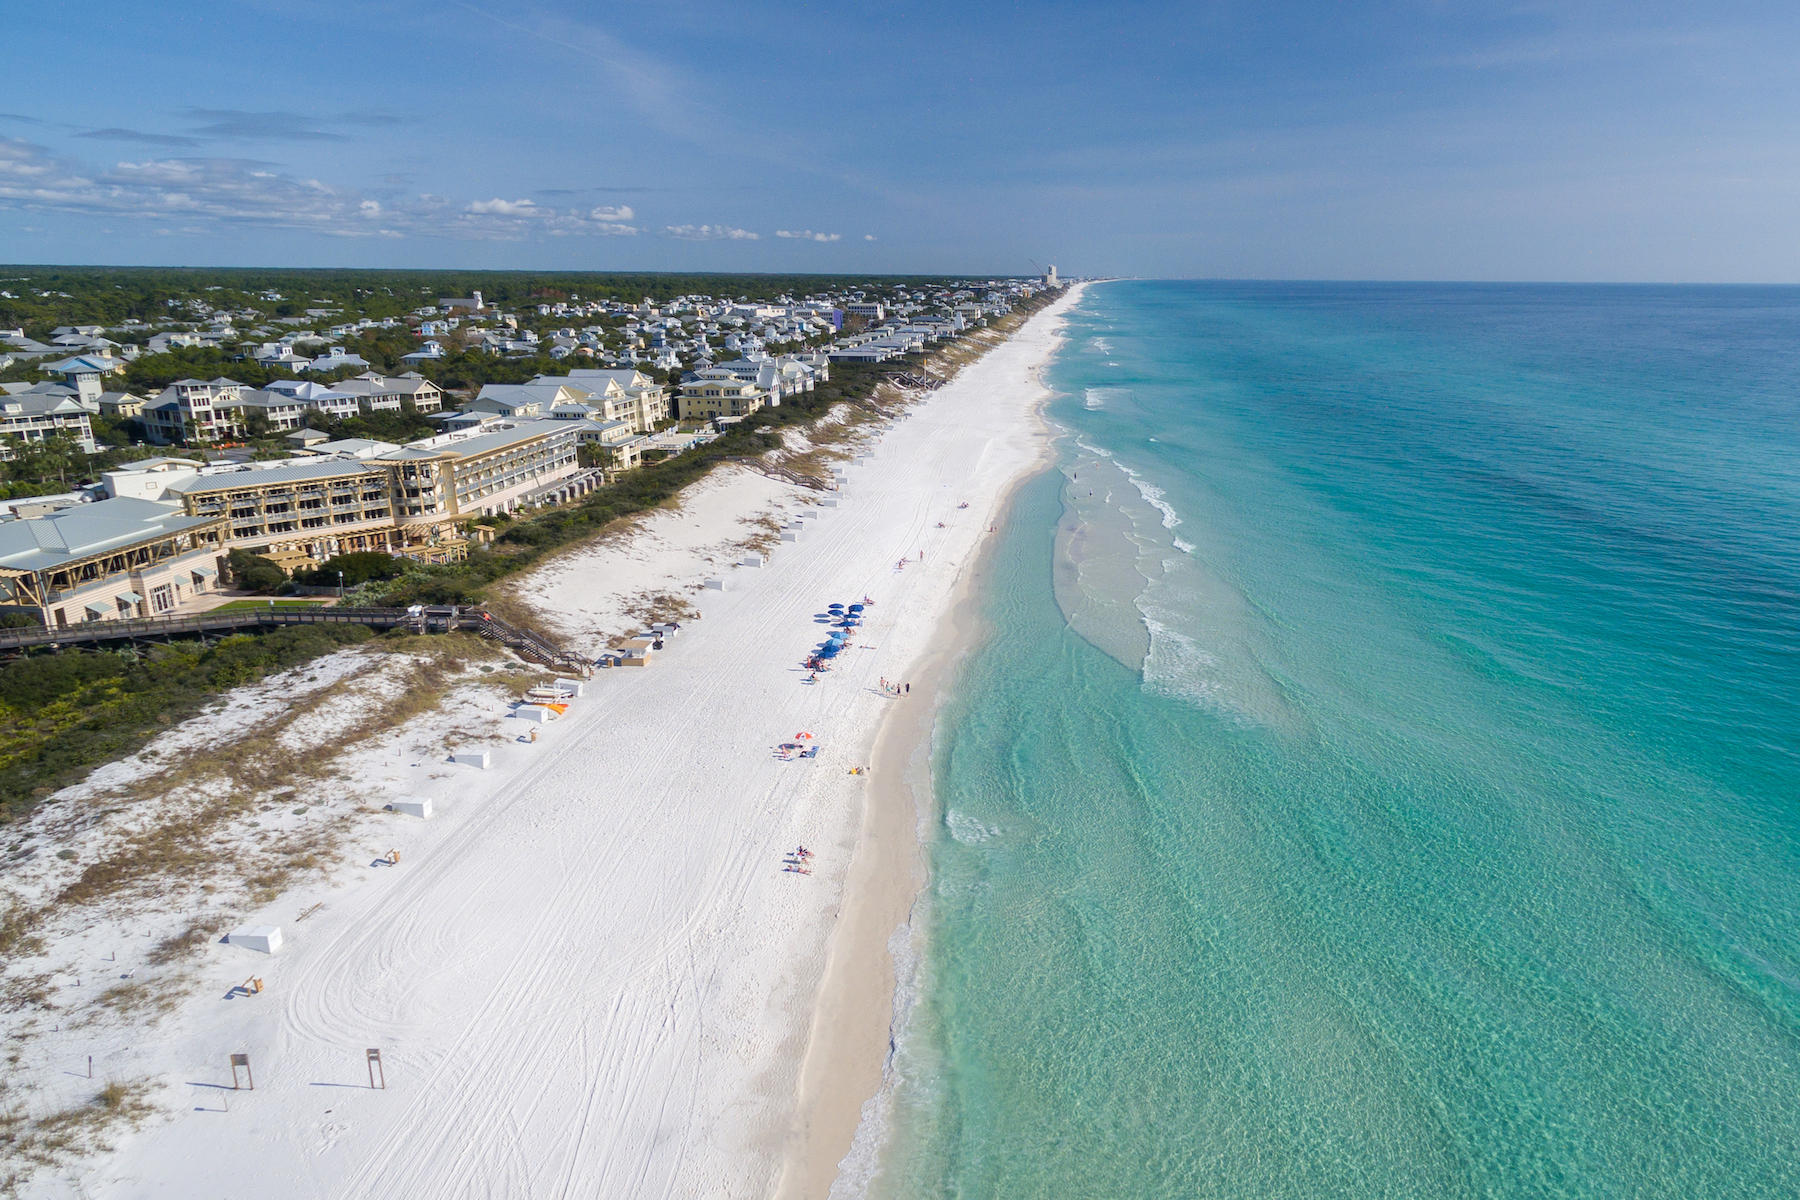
(219, 191)
(807, 235)
(710, 233)
(868, 237)
(504, 208)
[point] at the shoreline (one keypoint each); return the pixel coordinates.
(589, 969)
(850, 1040)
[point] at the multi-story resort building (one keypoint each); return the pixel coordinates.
(409, 500)
(159, 537)
(483, 472)
(300, 512)
(623, 395)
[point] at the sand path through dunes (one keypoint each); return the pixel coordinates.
(594, 979)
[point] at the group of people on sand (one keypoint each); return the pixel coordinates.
(896, 689)
(797, 861)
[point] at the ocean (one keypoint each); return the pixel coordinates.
(1381, 775)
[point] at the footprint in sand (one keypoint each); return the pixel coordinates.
(330, 1132)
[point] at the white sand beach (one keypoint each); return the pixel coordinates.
(589, 973)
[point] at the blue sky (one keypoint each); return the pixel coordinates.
(1424, 140)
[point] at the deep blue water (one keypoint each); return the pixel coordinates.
(1387, 782)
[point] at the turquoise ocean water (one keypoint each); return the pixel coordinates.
(1387, 781)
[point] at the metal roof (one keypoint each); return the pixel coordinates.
(41, 543)
(298, 472)
(482, 443)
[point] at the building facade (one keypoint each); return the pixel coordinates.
(195, 410)
(107, 561)
(710, 399)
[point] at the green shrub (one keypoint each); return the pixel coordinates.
(357, 568)
(66, 712)
(254, 573)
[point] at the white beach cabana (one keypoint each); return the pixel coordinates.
(265, 939)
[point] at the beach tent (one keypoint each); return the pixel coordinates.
(413, 808)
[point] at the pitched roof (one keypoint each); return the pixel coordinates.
(40, 543)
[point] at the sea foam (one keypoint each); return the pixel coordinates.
(860, 1166)
(968, 830)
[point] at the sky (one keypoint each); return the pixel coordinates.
(1271, 139)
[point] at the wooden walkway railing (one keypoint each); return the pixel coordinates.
(424, 619)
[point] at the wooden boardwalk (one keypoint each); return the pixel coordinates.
(423, 619)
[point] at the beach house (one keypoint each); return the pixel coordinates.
(380, 393)
(203, 410)
(710, 398)
(638, 398)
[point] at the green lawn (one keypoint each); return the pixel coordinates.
(244, 605)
